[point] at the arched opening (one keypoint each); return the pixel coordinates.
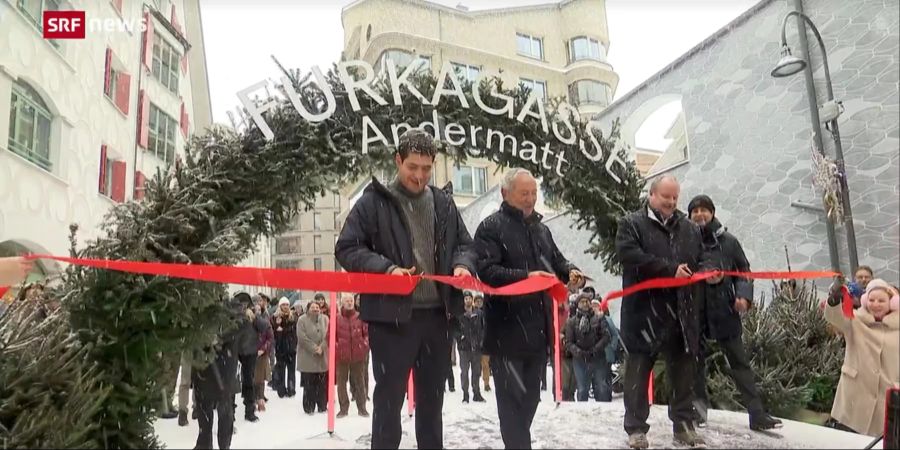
(657, 134)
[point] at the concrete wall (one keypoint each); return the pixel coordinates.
(750, 134)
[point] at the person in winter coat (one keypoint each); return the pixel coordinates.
(324, 307)
(659, 241)
(312, 336)
(284, 326)
(720, 302)
(263, 370)
(214, 387)
(408, 227)
(250, 329)
(586, 338)
(478, 303)
(569, 384)
(612, 349)
(351, 347)
(514, 245)
(871, 358)
(471, 336)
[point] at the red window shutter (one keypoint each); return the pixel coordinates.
(182, 121)
(118, 5)
(139, 185)
(103, 170)
(107, 71)
(148, 42)
(143, 134)
(118, 181)
(123, 90)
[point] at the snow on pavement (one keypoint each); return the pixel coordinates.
(474, 425)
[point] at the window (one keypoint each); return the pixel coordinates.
(293, 263)
(162, 135)
(586, 48)
(317, 264)
(288, 245)
(470, 180)
(337, 200)
(530, 46)
(107, 175)
(166, 63)
(317, 221)
(466, 72)
(111, 86)
(34, 10)
(368, 33)
(29, 125)
(536, 86)
(402, 59)
(317, 244)
(589, 92)
(337, 266)
(337, 222)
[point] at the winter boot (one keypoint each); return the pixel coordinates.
(465, 397)
(477, 397)
(250, 416)
(341, 414)
(182, 419)
(764, 422)
(363, 413)
(638, 441)
(690, 438)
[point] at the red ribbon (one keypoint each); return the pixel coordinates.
(370, 283)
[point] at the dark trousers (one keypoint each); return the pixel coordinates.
(517, 384)
(248, 368)
(739, 370)
(591, 374)
(423, 346)
(314, 391)
(285, 377)
(224, 408)
(680, 370)
(470, 369)
(352, 372)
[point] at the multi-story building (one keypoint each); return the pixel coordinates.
(558, 49)
(84, 122)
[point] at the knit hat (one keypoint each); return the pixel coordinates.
(701, 201)
(879, 283)
(283, 301)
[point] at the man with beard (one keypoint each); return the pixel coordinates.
(721, 301)
(659, 241)
(404, 228)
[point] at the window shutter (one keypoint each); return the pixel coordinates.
(118, 5)
(123, 90)
(148, 42)
(103, 170)
(143, 134)
(184, 122)
(107, 71)
(118, 181)
(139, 185)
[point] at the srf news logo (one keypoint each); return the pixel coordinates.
(72, 25)
(64, 25)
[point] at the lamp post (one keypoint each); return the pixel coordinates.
(828, 114)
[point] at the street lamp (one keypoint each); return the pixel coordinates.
(827, 113)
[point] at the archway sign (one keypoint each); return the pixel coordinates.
(315, 133)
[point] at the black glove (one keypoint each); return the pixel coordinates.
(836, 293)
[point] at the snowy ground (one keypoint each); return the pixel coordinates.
(571, 425)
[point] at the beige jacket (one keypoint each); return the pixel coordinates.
(871, 366)
(309, 335)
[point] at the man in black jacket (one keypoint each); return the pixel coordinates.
(721, 301)
(247, 347)
(407, 228)
(659, 241)
(214, 387)
(513, 245)
(471, 336)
